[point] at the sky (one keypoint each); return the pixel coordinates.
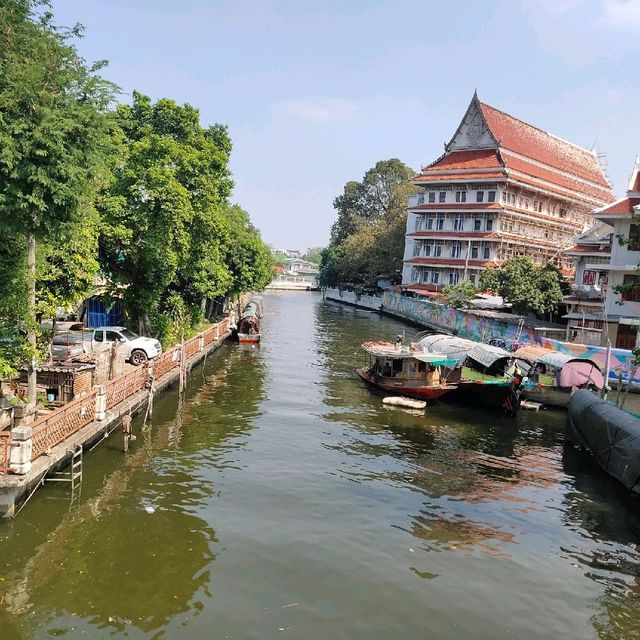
(315, 93)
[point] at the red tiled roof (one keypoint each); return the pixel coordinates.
(476, 159)
(636, 185)
(544, 147)
(457, 177)
(585, 248)
(458, 206)
(622, 207)
(534, 171)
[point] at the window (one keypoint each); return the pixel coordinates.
(632, 292)
(486, 252)
(472, 278)
(491, 196)
(419, 222)
(476, 224)
(479, 196)
(421, 198)
(427, 249)
(440, 222)
(563, 212)
(458, 223)
(442, 196)
(489, 224)
(474, 251)
(416, 248)
(98, 336)
(455, 249)
(504, 196)
(429, 221)
(634, 237)
(589, 277)
(461, 196)
(437, 249)
(424, 276)
(112, 336)
(432, 196)
(435, 277)
(415, 274)
(454, 277)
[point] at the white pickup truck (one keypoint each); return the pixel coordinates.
(133, 347)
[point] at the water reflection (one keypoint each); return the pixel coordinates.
(136, 554)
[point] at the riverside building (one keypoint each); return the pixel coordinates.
(502, 188)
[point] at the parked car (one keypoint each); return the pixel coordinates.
(70, 344)
(135, 348)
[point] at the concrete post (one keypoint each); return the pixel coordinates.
(21, 448)
(101, 403)
(201, 342)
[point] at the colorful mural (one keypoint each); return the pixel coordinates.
(506, 333)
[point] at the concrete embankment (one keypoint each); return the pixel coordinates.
(15, 489)
(355, 298)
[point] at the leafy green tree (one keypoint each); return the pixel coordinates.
(53, 136)
(368, 237)
(459, 295)
(163, 228)
(529, 288)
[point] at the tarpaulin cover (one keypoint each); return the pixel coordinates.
(610, 434)
(579, 374)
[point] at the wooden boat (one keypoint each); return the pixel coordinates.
(553, 376)
(400, 370)
(482, 373)
(249, 324)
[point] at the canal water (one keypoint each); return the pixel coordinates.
(281, 499)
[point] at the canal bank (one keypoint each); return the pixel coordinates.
(279, 498)
(93, 418)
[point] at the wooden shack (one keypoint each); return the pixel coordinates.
(62, 382)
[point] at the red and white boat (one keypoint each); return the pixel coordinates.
(393, 368)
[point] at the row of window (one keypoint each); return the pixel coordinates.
(523, 202)
(461, 196)
(434, 248)
(435, 222)
(438, 276)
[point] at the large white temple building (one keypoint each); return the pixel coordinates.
(502, 188)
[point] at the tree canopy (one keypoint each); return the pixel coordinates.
(528, 287)
(368, 236)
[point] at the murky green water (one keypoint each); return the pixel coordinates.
(287, 502)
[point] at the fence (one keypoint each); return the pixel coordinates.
(50, 430)
(5, 444)
(56, 427)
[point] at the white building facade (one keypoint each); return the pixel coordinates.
(622, 309)
(501, 189)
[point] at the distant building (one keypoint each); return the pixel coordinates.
(502, 188)
(623, 310)
(296, 274)
(585, 306)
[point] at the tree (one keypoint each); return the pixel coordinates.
(53, 136)
(368, 237)
(529, 288)
(459, 295)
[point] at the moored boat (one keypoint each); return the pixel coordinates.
(249, 324)
(553, 376)
(400, 370)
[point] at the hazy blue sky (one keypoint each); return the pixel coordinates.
(315, 93)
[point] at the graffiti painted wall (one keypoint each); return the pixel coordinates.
(506, 334)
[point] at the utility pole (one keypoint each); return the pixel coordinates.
(31, 331)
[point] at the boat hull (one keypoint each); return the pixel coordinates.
(246, 338)
(480, 393)
(405, 387)
(547, 395)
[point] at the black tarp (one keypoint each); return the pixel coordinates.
(609, 433)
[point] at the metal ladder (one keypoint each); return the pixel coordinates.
(75, 471)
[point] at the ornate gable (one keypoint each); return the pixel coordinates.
(473, 132)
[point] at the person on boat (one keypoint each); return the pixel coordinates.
(512, 402)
